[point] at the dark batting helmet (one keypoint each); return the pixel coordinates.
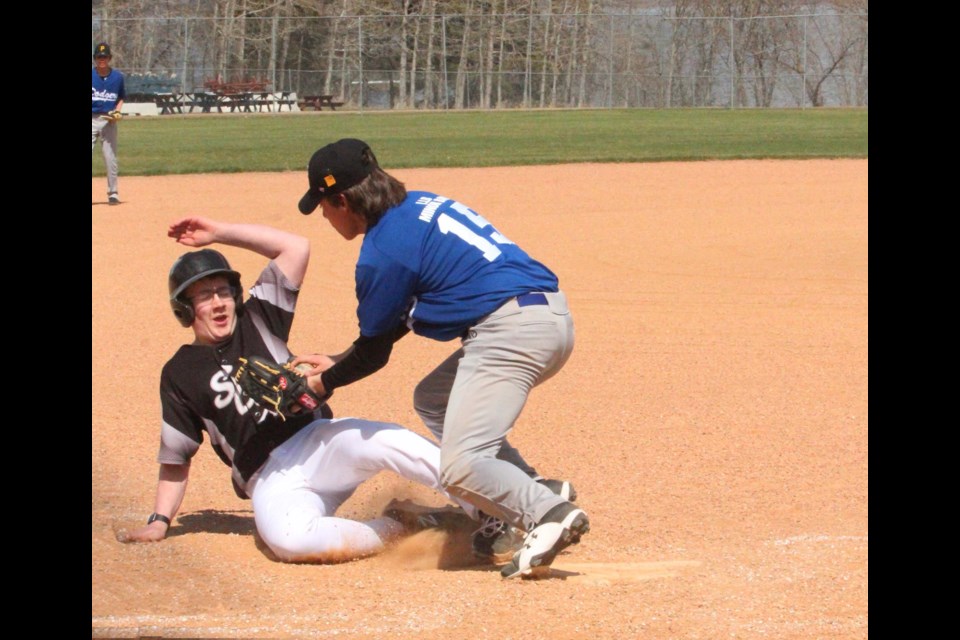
(194, 266)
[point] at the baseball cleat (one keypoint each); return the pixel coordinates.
(496, 541)
(561, 527)
(113, 198)
(416, 518)
(560, 487)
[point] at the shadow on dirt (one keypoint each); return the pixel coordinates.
(214, 521)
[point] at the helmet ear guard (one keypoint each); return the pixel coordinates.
(183, 311)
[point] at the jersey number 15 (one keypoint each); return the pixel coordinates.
(447, 224)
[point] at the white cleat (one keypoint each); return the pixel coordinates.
(561, 527)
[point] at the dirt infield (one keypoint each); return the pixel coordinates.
(713, 416)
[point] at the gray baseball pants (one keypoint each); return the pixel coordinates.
(108, 132)
(472, 400)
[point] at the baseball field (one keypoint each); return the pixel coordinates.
(713, 416)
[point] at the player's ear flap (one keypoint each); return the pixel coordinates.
(182, 311)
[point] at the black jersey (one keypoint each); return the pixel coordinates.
(197, 391)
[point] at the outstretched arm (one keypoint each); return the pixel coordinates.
(365, 356)
(290, 251)
(171, 487)
(320, 362)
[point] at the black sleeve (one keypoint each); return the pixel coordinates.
(369, 355)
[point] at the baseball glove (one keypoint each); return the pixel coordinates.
(113, 116)
(276, 387)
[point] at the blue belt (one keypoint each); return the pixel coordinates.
(529, 299)
(525, 300)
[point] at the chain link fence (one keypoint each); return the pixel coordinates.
(508, 60)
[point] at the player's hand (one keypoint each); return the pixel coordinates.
(318, 361)
(194, 232)
(153, 532)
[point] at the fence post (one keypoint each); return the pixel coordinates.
(803, 78)
(273, 53)
(610, 104)
(360, 55)
(527, 77)
(186, 49)
(732, 66)
(446, 89)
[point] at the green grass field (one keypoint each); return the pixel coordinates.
(213, 143)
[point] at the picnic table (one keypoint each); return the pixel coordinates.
(243, 95)
(205, 101)
(240, 99)
(250, 101)
(261, 100)
(318, 102)
(285, 98)
(169, 102)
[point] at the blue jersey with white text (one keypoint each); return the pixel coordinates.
(442, 265)
(107, 91)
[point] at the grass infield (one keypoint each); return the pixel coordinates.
(228, 143)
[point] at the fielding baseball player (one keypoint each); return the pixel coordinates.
(297, 470)
(108, 96)
(434, 266)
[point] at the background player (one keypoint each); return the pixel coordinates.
(108, 95)
(297, 471)
(433, 265)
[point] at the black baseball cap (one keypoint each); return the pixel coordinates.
(101, 50)
(335, 168)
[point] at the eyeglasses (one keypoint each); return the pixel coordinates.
(206, 295)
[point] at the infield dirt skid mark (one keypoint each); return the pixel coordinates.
(604, 573)
(445, 550)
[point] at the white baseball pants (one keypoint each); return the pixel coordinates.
(307, 478)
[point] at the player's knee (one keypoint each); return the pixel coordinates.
(427, 403)
(453, 470)
(291, 546)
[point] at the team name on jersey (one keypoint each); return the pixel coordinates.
(227, 392)
(108, 96)
(430, 208)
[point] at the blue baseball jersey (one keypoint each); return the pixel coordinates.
(440, 265)
(107, 91)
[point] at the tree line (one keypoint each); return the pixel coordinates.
(429, 54)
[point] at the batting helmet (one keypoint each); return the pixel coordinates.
(194, 266)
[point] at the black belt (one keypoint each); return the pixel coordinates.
(529, 299)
